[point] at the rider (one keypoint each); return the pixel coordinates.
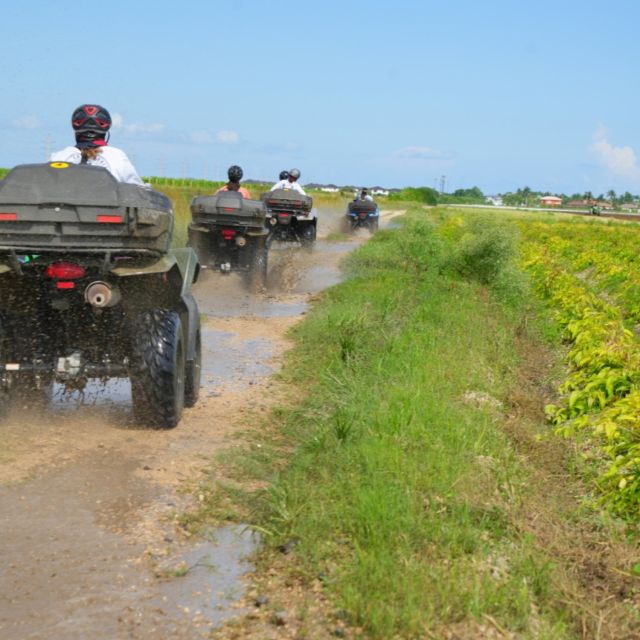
(283, 175)
(364, 195)
(91, 122)
(291, 182)
(235, 175)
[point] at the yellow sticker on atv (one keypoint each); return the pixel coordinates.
(59, 165)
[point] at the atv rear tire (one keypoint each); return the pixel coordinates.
(257, 275)
(158, 369)
(193, 375)
(308, 235)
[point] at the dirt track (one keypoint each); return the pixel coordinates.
(89, 547)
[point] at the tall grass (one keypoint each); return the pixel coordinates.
(402, 486)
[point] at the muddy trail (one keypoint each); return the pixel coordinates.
(90, 547)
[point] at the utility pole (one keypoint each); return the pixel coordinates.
(443, 182)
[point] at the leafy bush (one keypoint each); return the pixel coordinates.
(485, 249)
(425, 195)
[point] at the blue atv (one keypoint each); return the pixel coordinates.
(363, 214)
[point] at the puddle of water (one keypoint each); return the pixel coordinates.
(230, 361)
(212, 571)
(226, 296)
(318, 278)
(247, 305)
(337, 247)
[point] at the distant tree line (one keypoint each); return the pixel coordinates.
(525, 196)
(430, 196)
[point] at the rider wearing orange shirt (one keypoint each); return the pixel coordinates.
(235, 175)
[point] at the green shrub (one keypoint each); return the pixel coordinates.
(484, 251)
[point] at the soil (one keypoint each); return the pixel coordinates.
(89, 503)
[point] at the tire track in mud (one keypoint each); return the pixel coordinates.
(89, 543)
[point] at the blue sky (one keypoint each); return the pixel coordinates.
(497, 94)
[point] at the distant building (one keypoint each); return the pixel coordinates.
(496, 201)
(550, 201)
(378, 191)
(329, 189)
(587, 204)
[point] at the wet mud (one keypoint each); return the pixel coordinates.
(89, 543)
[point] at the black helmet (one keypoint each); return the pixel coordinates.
(91, 122)
(284, 175)
(235, 173)
(294, 173)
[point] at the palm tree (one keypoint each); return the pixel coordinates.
(611, 194)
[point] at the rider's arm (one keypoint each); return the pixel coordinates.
(120, 166)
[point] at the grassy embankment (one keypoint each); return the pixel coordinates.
(415, 486)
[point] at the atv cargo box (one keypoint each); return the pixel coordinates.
(64, 206)
(287, 200)
(362, 206)
(228, 209)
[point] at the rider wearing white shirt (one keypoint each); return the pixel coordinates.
(364, 195)
(290, 183)
(91, 123)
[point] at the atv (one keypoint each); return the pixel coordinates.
(90, 288)
(363, 214)
(228, 232)
(290, 216)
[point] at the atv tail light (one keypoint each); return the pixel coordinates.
(228, 209)
(8, 216)
(65, 271)
(65, 285)
(228, 234)
(105, 219)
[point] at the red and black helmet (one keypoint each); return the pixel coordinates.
(90, 122)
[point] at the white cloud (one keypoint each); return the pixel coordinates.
(201, 136)
(228, 137)
(27, 122)
(421, 153)
(620, 161)
(118, 122)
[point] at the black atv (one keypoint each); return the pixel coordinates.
(228, 233)
(290, 216)
(363, 214)
(90, 288)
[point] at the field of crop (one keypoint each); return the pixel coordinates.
(589, 274)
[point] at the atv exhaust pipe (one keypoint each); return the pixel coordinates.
(241, 241)
(101, 295)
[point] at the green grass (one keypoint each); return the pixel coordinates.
(402, 490)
